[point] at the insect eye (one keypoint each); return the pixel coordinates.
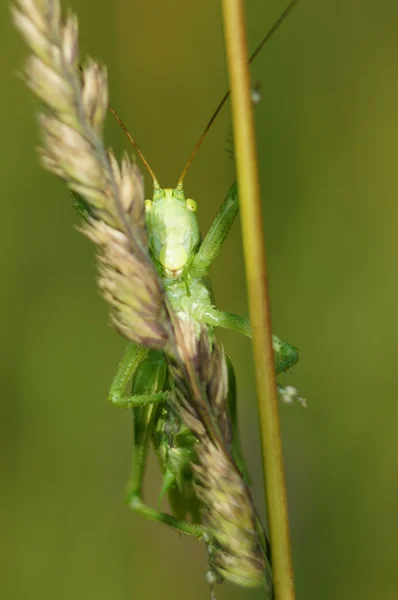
(191, 205)
(148, 205)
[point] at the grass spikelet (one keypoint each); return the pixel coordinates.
(111, 197)
(236, 544)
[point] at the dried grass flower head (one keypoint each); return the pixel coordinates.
(236, 544)
(75, 105)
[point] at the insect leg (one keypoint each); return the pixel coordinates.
(137, 505)
(133, 356)
(150, 376)
(143, 426)
(134, 495)
(221, 318)
(286, 355)
(218, 231)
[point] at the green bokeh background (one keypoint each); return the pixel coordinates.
(327, 130)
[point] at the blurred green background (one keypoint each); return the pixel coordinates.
(327, 130)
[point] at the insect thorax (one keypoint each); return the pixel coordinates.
(189, 296)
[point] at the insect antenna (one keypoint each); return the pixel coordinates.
(265, 39)
(142, 157)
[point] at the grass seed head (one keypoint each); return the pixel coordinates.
(75, 104)
(200, 376)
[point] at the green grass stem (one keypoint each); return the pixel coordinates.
(256, 274)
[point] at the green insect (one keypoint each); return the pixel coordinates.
(166, 244)
(182, 260)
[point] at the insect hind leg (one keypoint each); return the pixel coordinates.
(148, 371)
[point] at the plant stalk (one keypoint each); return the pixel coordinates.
(256, 274)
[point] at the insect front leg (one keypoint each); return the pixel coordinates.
(215, 237)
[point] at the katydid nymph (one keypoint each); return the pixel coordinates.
(153, 268)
